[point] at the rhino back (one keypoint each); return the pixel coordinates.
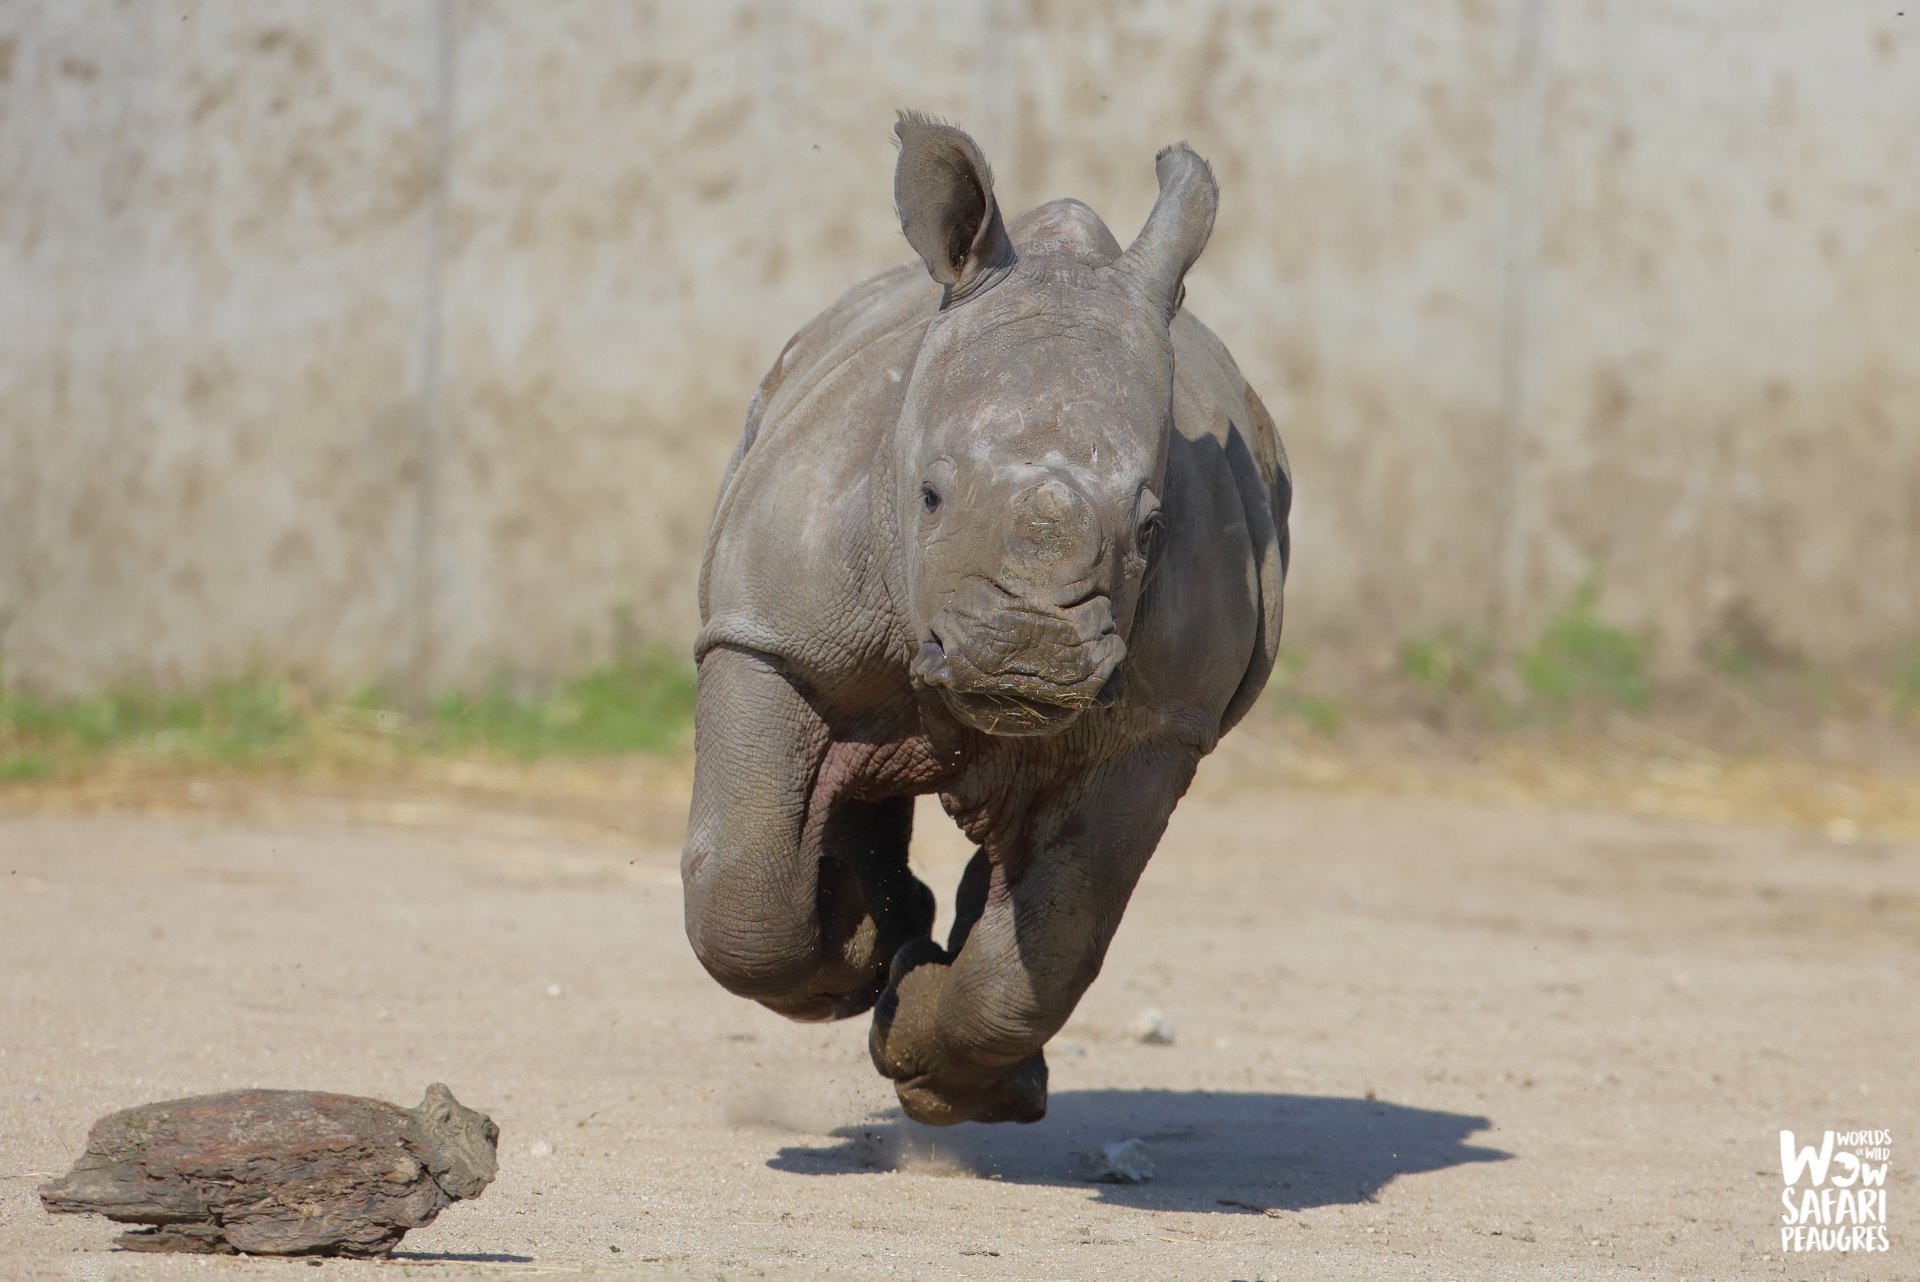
(791, 566)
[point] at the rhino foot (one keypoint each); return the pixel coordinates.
(905, 1047)
(1020, 1096)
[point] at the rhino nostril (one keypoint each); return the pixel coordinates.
(931, 663)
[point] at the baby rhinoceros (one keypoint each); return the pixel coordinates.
(279, 1172)
(1009, 527)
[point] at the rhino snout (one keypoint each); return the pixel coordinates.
(1020, 670)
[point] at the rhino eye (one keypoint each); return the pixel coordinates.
(1148, 528)
(929, 498)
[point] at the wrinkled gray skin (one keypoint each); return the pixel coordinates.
(1008, 526)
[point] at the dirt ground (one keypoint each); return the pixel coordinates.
(1415, 1036)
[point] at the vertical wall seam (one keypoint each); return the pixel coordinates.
(1517, 349)
(428, 425)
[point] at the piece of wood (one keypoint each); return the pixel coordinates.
(279, 1172)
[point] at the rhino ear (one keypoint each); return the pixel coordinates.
(1176, 230)
(943, 191)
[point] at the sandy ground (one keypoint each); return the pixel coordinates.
(1414, 1038)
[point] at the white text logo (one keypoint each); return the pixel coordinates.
(1844, 1206)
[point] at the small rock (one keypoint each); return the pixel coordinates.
(540, 1149)
(1152, 1028)
(1122, 1162)
(554, 990)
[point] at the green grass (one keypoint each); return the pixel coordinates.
(1284, 695)
(1733, 658)
(642, 702)
(18, 766)
(1428, 660)
(231, 721)
(1581, 660)
(1322, 714)
(1577, 660)
(1906, 684)
(1445, 664)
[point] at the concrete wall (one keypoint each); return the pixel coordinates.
(405, 340)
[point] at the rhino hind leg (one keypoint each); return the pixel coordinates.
(794, 901)
(960, 1030)
(969, 901)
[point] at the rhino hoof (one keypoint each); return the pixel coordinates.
(1019, 1096)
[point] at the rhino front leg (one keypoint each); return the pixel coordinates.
(794, 897)
(961, 1038)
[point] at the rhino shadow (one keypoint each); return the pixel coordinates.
(1212, 1151)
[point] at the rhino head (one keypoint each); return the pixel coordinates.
(1031, 450)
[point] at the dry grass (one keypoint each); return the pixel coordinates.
(1625, 766)
(637, 800)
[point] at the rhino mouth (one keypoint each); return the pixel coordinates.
(1015, 717)
(1010, 715)
(1023, 689)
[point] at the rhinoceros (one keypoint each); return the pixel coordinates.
(1006, 525)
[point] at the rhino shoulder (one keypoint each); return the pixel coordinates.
(1229, 468)
(790, 567)
(1206, 372)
